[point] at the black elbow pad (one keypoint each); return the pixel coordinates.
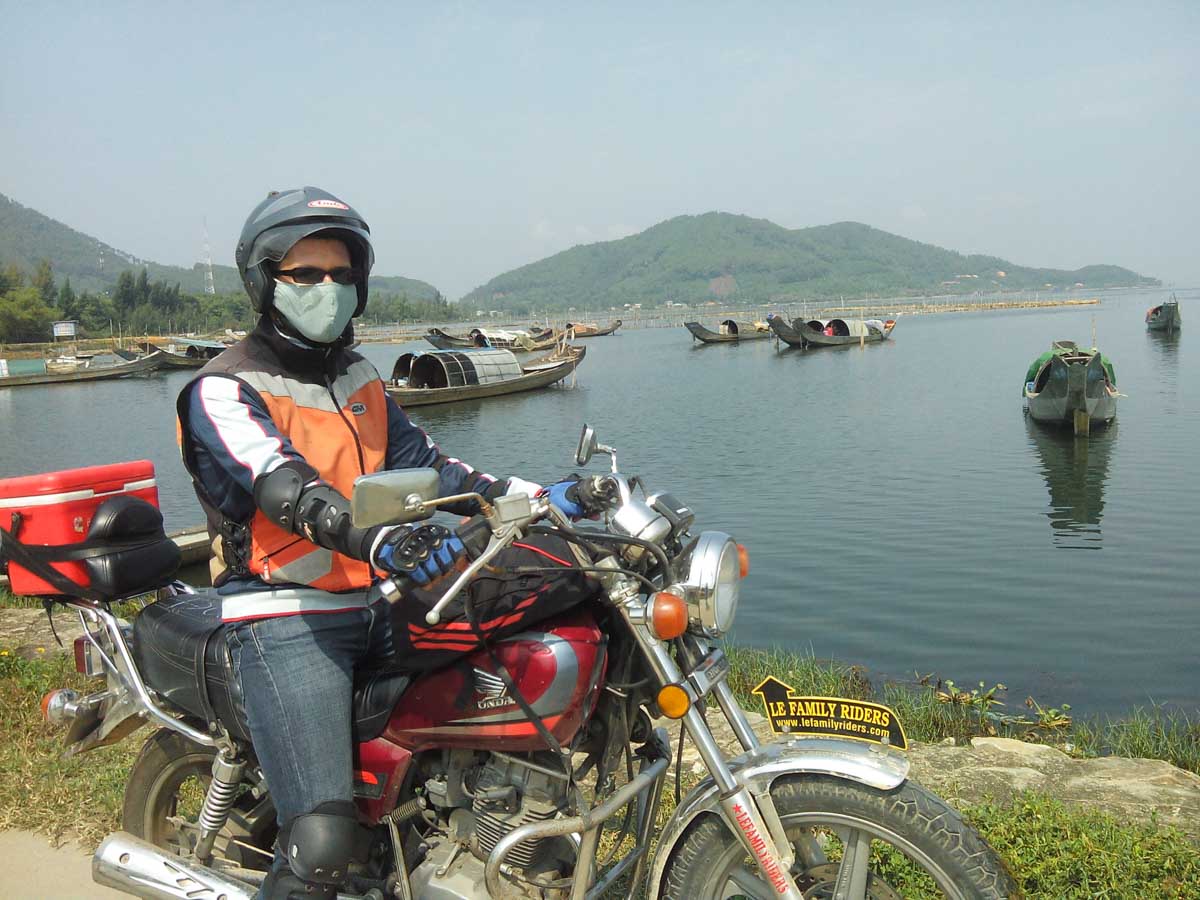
(318, 512)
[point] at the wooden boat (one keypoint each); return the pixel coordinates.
(1165, 316)
(1070, 386)
(516, 341)
(92, 373)
(186, 353)
(729, 332)
(447, 376)
(583, 330)
(831, 332)
(181, 353)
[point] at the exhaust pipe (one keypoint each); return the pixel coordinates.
(133, 866)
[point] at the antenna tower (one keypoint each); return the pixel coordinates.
(209, 288)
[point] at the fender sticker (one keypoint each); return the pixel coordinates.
(860, 720)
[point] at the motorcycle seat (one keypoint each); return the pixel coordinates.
(179, 644)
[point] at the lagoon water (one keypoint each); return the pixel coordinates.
(900, 511)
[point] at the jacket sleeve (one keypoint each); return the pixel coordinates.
(410, 447)
(233, 441)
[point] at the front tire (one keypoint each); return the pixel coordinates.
(164, 794)
(910, 842)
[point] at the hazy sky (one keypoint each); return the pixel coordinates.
(479, 137)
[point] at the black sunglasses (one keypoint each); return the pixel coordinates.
(315, 275)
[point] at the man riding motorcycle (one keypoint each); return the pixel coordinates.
(273, 432)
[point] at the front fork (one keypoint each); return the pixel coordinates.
(752, 816)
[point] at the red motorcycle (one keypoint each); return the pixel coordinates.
(498, 775)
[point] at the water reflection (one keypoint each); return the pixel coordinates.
(1166, 343)
(1075, 470)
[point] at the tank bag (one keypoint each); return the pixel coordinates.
(506, 598)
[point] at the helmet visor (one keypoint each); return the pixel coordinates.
(274, 243)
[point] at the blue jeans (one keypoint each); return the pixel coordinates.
(297, 678)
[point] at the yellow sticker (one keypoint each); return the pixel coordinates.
(861, 720)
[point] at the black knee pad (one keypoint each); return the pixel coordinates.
(283, 885)
(319, 845)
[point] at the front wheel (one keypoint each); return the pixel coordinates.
(850, 841)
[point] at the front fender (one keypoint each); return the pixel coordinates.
(758, 769)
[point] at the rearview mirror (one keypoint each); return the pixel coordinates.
(393, 498)
(587, 445)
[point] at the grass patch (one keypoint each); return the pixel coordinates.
(1054, 850)
(1063, 852)
(40, 791)
(8, 601)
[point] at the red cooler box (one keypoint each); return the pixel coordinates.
(57, 508)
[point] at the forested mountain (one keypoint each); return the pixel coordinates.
(692, 259)
(49, 272)
(27, 238)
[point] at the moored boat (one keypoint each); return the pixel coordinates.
(448, 376)
(729, 332)
(13, 375)
(186, 353)
(517, 341)
(1071, 386)
(831, 332)
(583, 329)
(1165, 316)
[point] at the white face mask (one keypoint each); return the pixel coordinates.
(320, 312)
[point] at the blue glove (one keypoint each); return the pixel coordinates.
(421, 554)
(562, 495)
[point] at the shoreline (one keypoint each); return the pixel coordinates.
(631, 319)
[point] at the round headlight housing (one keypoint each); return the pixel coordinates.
(712, 585)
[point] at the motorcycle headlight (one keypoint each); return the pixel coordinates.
(711, 589)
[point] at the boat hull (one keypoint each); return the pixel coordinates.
(141, 366)
(786, 332)
(1073, 394)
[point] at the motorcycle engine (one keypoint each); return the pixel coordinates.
(498, 795)
(508, 795)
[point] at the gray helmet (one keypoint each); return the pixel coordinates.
(286, 217)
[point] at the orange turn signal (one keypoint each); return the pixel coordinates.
(743, 560)
(668, 615)
(46, 706)
(674, 701)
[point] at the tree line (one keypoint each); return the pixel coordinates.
(135, 305)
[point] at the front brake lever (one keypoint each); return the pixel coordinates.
(499, 541)
(501, 538)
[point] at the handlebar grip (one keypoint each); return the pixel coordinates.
(475, 534)
(595, 493)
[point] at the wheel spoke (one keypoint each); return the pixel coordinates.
(750, 884)
(854, 870)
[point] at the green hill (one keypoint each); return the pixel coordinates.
(740, 259)
(27, 237)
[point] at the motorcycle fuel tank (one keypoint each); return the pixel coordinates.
(470, 705)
